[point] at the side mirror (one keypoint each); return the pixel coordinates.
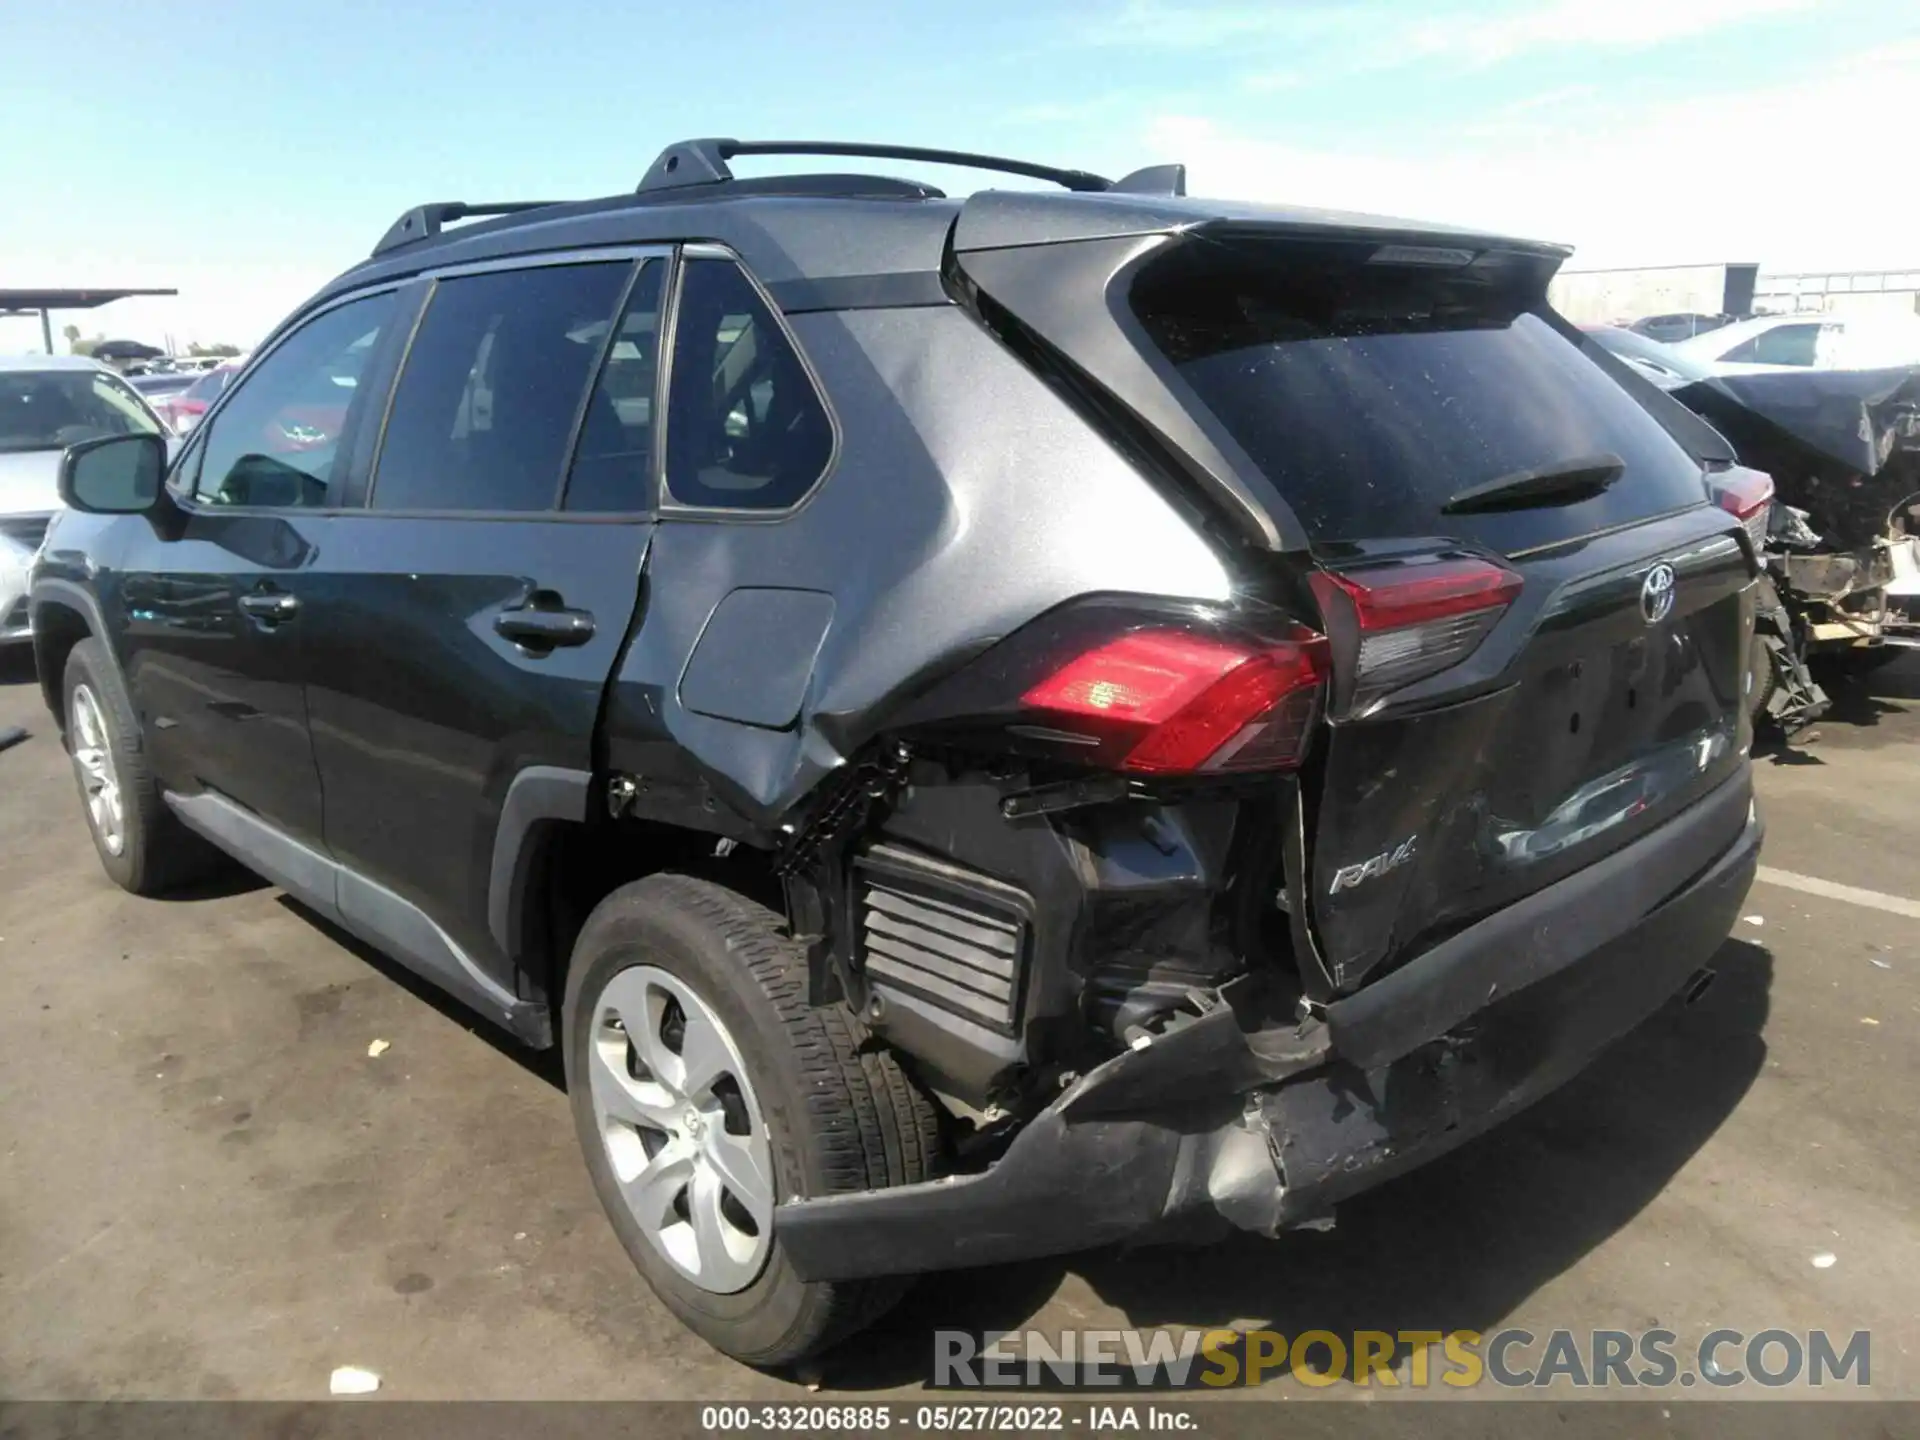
(115, 475)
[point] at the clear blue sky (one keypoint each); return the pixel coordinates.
(245, 151)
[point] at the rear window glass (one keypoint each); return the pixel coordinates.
(745, 428)
(1369, 394)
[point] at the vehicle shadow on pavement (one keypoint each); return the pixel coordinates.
(1863, 699)
(16, 665)
(1859, 704)
(542, 1064)
(1457, 1245)
(229, 879)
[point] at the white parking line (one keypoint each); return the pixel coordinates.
(1852, 894)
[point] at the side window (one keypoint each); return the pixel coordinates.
(1782, 345)
(485, 406)
(745, 429)
(119, 410)
(276, 440)
(613, 462)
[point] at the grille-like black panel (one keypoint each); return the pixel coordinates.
(949, 935)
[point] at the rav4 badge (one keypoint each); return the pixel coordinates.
(1348, 876)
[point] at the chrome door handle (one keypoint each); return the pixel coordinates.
(270, 607)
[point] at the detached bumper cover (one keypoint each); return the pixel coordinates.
(1210, 1125)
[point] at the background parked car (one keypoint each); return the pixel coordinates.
(48, 402)
(1662, 364)
(1669, 328)
(156, 383)
(1843, 449)
(183, 408)
(1807, 342)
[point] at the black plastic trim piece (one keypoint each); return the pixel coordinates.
(66, 592)
(967, 896)
(538, 794)
(900, 290)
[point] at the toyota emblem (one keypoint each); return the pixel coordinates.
(1656, 594)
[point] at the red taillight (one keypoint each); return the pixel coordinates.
(1170, 702)
(1416, 594)
(1413, 618)
(1747, 495)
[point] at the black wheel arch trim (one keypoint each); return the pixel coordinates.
(537, 795)
(73, 597)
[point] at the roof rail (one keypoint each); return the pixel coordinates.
(425, 220)
(704, 162)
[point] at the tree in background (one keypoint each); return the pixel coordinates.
(76, 345)
(222, 349)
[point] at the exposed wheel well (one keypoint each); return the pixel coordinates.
(575, 865)
(57, 628)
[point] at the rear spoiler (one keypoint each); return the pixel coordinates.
(1032, 261)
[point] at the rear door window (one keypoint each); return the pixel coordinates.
(493, 381)
(613, 462)
(1369, 394)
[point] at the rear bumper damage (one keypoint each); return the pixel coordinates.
(1211, 1126)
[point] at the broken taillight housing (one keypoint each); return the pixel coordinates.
(1403, 621)
(1747, 495)
(1172, 701)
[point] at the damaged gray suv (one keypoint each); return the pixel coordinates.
(981, 727)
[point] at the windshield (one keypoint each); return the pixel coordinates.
(52, 409)
(1368, 393)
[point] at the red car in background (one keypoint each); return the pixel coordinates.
(182, 409)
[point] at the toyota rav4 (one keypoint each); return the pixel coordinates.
(981, 727)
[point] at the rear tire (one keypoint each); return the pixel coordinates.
(142, 845)
(831, 1116)
(1761, 679)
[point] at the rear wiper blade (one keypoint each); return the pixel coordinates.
(1558, 484)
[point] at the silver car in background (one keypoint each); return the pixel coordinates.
(48, 402)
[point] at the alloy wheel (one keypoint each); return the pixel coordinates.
(93, 761)
(683, 1132)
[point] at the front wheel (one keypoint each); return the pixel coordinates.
(142, 845)
(705, 1089)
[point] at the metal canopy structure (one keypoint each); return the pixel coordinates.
(45, 302)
